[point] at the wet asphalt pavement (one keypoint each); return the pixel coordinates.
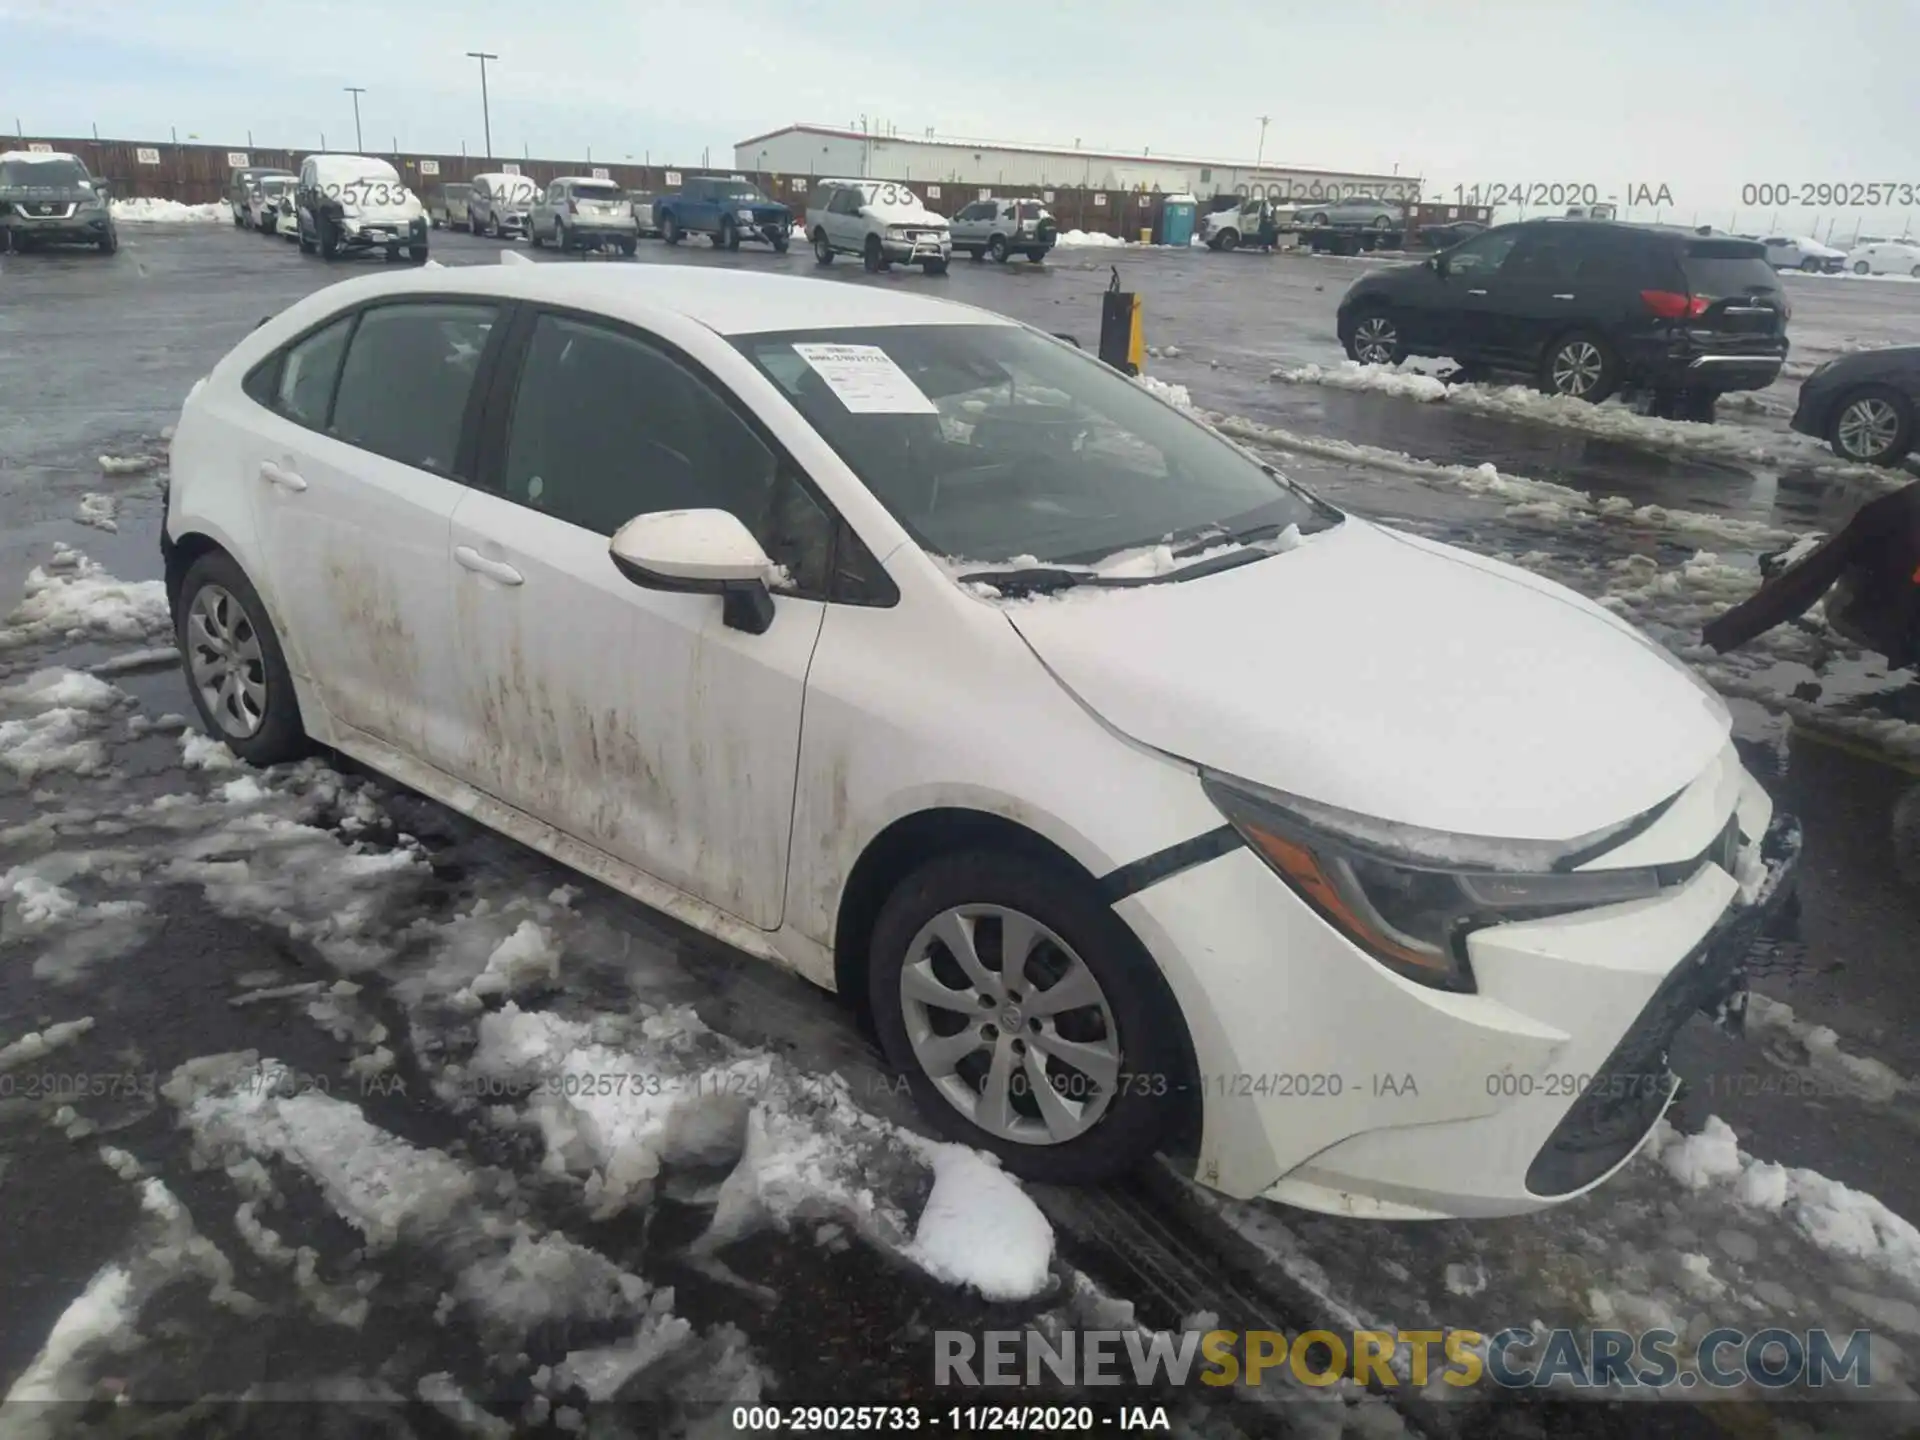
(95, 357)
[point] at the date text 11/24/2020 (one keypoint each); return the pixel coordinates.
(1497, 193)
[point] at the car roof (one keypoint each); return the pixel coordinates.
(728, 302)
(36, 157)
(584, 180)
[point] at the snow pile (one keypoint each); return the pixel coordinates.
(39, 1044)
(73, 598)
(1844, 1222)
(1090, 238)
(52, 740)
(1175, 395)
(1381, 379)
(128, 464)
(523, 961)
(980, 1229)
(100, 512)
(60, 688)
(146, 210)
(1861, 1075)
(203, 752)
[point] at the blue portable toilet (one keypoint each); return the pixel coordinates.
(1177, 216)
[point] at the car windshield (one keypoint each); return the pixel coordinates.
(739, 192)
(457, 192)
(274, 184)
(991, 443)
(29, 173)
(1029, 210)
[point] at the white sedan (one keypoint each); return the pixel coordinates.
(1886, 257)
(1803, 252)
(1146, 801)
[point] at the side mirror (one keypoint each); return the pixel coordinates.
(700, 552)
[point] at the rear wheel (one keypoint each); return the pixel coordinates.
(1376, 339)
(1872, 425)
(1025, 1016)
(1037, 256)
(822, 249)
(562, 241)
(781, 244)
(235, 668)
(729, 236)
(533, 235)
(1581, 366)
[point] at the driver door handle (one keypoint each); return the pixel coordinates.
(492, 569)
(1563, 297)
(279, 475)
(1476, 292)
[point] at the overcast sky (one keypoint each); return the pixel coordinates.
(1702, 96)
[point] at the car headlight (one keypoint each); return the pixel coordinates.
(746, 215)
(1409, 897)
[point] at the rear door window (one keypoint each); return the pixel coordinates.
(407, 379)
(307, 375)
(1727, 267)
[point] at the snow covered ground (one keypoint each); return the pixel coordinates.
(145, 210)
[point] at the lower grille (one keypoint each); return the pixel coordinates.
(1632, 1087)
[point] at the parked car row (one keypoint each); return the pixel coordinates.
(1869, 255)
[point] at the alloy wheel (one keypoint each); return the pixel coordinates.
(1375, 339)
(1577, 368)
(1010, 1025)
(226, 661)
(1867, 427)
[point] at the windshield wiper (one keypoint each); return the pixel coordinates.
(1208, 537)
(1033, 579)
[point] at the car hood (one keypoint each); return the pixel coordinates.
(904, 215)
(1393, 677)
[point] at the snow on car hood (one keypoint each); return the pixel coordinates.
(1392, 677)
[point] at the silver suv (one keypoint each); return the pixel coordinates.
(1003, 228)
(584, 214)
(499, 204)
(878, 220)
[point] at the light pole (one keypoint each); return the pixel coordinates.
(1260, 154)
(356, 91)
(486, 120)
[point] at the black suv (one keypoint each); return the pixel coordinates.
(1585, 307)
(50, 199)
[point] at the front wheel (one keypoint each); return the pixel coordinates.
(1376, 340)
(933, 267)
(997, 248)
(1026, 1017)
(109, 242)
(1872, 426)
(1229, 241)
(974, 252)
(533, 235)
(872, 256)
(629, 247)
(781, 244)
(1810, 265)
(329, 241)
(729, 236)
(1860, 267)
(1580, 366)
(822, 249)
(670, 230)
(235, 668)
(416, 254)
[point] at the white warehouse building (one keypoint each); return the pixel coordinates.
(819, 150)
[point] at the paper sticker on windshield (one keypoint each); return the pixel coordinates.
(866, 379)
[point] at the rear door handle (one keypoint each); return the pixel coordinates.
(1476, 292)
(1563, 297)
(492, 569)
(279, 475)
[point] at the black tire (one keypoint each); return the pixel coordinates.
(280, 735)
(872, 256)
(1380, 222)
(670, 229)
(328, 242)
(1230, 240)
(933, 267)
(729, 236)
(1580, 365)
(1864, 448)
(781, 244)
(629, 247)
(109, 243)
(1038, 257)
(533, 235)
(997, 248)
(1317, 220)
(822, 248)
(974, 252)
(1810, 265)
(1375, 338)
(1861, 267)
(416, 254)
(1137, 1118)
(300, 236)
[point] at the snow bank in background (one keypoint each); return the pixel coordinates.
(1091, 238)
(72, 598)
(1174, 395)
(1849, 275)
(147, 210)
(1609, 421)
(980, 1229)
